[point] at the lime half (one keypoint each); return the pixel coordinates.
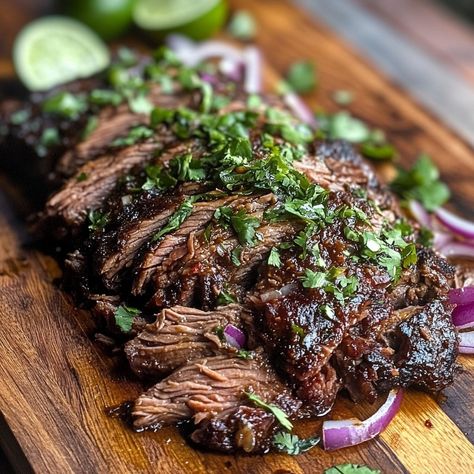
(197, 19)
(54, 50)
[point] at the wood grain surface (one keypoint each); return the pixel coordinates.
(56, 383)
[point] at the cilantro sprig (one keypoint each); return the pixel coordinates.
(279, 414)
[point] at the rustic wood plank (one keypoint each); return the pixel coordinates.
(434, 28)
(56, 383)
(442, 91)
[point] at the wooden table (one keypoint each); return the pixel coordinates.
(55, 383)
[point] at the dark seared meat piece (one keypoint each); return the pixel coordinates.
(180, 335)
(90, 186)
(432, 278)
(413, 346)
(206, 387)
(133, 227)
(245, 428)
(199, 218)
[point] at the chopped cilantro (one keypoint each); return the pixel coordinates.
(91, 125)
(19, 116)
(97, 220)
(81, 177)
(351, 469)
(158, 178)
(298, 330)
(291, 444)
(65, 104)
(343, 125)
(301, 76)
(135, 135)
(50, 137)
(343, 97)
(244, 354)
(274, 258)
(422, 183)
(279, 414)
(180, 215)
(124, 316)
(105, 97)
(140, 104)
(235, 255)
(185, 168)
(242, 25)
(225, 298)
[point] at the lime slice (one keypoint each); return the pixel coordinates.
(54, 50)
(197, 19)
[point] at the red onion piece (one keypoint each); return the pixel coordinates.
(466, 342)
(253, 70)
(343, 433)
(456, 224)
(458, 249)
(462, 295)
(234, 336)
(420, 214)
(299, 108)
(463, 316)
(276, 294)
(440, 239)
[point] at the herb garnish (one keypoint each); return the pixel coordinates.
(274, 258)
(124, 316)
(351, 469)
(279, 414)
(242, 25)
(301, 76)
(135, 135)
(291, 444)
(180, 215)
(225, 298)
(65, 104)
(97, 220)
(422, 183)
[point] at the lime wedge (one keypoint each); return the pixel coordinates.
(197, 19)
(54, 50)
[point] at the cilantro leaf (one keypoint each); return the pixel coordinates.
(291, 444)
(351, 469)
(244, 226)
(134, 135)
(422, 183)
(124, 316)
(97, 220)
(301, 76)
(242, 25)
(65, 104)
(140, 104)
(180, 215)
(274, 258)
(158, 178)
(225, 298)
(185, 168)
(279, 414)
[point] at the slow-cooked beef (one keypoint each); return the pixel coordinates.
(178, 335)
(205, 387)
(221, 213)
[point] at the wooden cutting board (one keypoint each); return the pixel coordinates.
(56, 383)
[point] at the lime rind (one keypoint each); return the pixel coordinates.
(169, 14)
(54, 50)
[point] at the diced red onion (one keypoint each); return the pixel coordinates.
(456, 224)
(466, 342)
(180, 43)
(462, 295)
(299, 108)
(420, 214)
(463, 316)
(343, 433)
(234, 336)
(253, 70)
(458, 249)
